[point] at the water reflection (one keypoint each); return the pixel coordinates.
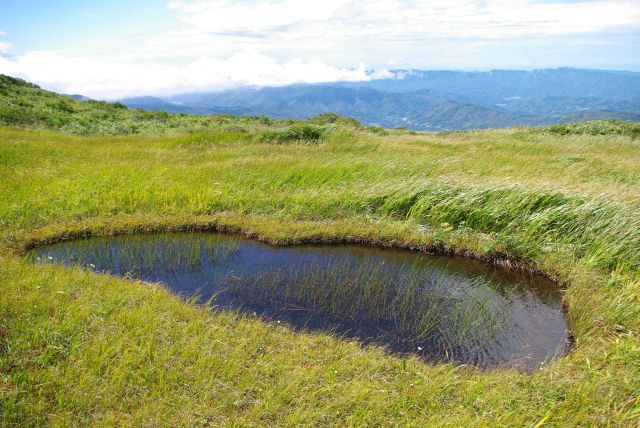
(442, 308)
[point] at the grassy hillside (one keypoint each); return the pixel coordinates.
(78, 348)
(25, 104)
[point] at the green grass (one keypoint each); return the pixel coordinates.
(25, 104)
(78, 348)
(598, 127)
(298, 132)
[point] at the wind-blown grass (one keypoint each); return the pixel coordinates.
(598, 127)
(77, 348)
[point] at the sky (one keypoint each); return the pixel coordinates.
(119, 48)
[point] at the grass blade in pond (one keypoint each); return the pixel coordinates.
(442, 308)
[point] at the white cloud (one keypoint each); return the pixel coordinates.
(415, 33)
(363, 19)
(228, 16)
(224, 43)
(109, 80)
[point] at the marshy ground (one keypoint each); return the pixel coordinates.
(442, 308)
(81, 348)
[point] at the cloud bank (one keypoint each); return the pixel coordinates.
(217, 44)
(110, 80)
(414, 18)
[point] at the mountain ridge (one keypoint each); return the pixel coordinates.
(432, 100)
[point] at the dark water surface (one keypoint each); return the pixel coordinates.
(441, 308)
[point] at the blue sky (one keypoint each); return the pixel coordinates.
(109, 49)
(75, 25)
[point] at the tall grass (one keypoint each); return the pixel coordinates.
(605, 234)
(81, 349)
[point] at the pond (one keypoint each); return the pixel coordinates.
(441, 308)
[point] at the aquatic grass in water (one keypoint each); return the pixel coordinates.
(444, 309)
(408, 304)
(182, 253)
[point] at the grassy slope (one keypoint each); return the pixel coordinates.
(77, 347)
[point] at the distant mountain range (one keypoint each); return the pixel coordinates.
(432, 100)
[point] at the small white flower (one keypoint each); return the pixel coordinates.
(419, 348)
(50, 258)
